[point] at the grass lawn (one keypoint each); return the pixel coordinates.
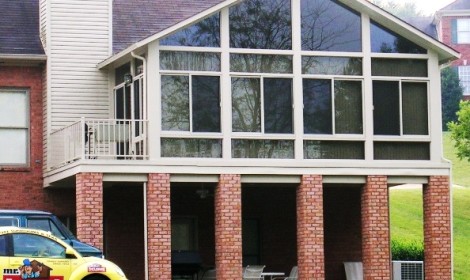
(406, 209)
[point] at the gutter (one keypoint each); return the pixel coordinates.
(30, 57)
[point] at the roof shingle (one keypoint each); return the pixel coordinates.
(19, 27)
(136, 20)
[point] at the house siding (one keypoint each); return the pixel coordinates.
(77, 38)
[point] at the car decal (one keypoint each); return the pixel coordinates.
(30, 270)
(96, 267)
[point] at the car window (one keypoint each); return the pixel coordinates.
(3, 245)
(8, 221)
(45, 224)
(30, 245)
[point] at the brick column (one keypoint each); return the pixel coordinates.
(375, 229)
(228, 227)
(437, 229)
(310, 233)
(159, 226)
(89, 196)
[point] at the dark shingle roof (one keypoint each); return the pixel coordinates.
(458, 5)
(136, 20)
(424, 24)
(19, 27)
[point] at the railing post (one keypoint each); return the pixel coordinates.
(82, 136)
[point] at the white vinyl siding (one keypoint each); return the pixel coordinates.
(79, 40)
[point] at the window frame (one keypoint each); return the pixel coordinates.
(401, 136)
(26, 128)
(462, 30)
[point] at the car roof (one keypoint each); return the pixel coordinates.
(23, 212)
(10, 230)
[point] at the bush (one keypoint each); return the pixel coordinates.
(407, 250)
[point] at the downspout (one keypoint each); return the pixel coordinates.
(144, 105)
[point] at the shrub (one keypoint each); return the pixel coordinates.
(407, 250)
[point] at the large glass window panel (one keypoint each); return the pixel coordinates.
(14, 127)
(415, 108)
(348, 107)
(206, 104)
(204, 98)
(120, 72)
(330, 26)
(246, 105)
(189, 61)
(401, 151)
(261, 24)
(13, 146)
(175, 103)
(314, 149)
(193, 148)
(259, 63)
(14, 109)
(386, 100)
(324, 65)
(384, 40)
(399, 67)
(463, 30)
(317, 106)
(247, 148)
(205, 33)
(277, 105)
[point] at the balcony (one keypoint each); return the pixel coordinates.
(99, 139)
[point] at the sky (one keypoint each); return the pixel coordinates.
(428, 6)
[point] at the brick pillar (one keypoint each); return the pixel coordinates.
(310, 233)
(89, 196)
(228, 227)
(375, 229)
(437, 229)
(159, 226)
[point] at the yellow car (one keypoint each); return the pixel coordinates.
(31, 253)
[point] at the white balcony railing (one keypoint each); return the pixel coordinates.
(111, 139)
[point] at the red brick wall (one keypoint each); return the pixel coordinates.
(159, 226)
(228, 227)
(25, 184)
(89, 189)
(437, 229)
(375, 229)
(310, 235)
(446, 37)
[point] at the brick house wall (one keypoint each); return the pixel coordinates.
(446, 37)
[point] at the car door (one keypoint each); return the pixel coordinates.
(36, 256)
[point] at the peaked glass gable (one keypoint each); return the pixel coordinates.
(261, 24)
(330, 26)
(205, 33)
(386, 41)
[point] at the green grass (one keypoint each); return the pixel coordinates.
(460, 168)
(407, 212)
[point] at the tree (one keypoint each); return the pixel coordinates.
(401, 10)
(460, 131)
(452, 93)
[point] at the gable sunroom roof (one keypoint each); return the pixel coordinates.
(136, 25)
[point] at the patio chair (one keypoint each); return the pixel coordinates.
(294, 272)
(353, 270)
(209, 274)
(252, 272)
